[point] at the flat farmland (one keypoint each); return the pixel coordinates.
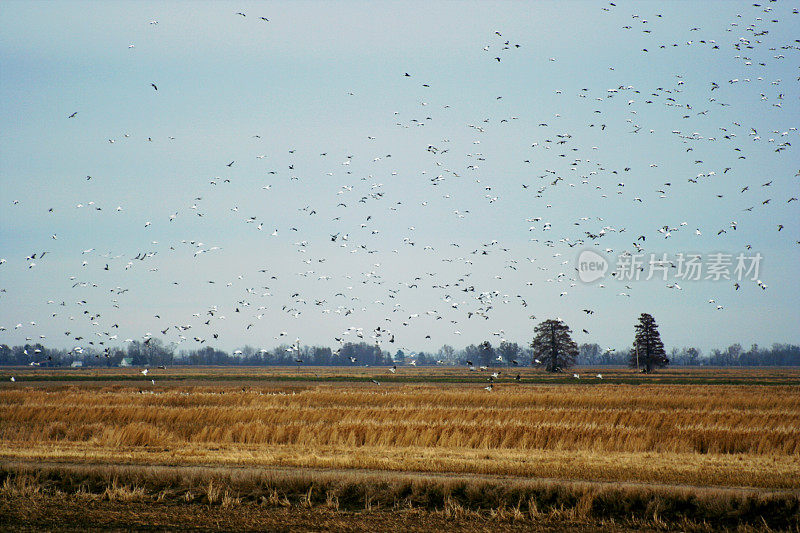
(680, 448)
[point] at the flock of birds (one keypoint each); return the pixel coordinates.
(364, 222)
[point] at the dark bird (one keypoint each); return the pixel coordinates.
(73, 115)
(153, 85)
(230, 164)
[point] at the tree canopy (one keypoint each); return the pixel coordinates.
(553, 346)
(648, 350)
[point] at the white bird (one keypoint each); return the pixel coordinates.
(576, 376)
(144, 372)
(599, 376)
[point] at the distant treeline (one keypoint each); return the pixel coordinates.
(155, 353)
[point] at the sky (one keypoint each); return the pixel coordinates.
(193, 172)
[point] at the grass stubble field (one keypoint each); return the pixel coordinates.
(327, 449)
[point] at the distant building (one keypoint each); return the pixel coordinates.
(77, 364)
(126, 361)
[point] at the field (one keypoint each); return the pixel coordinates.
(299, 447)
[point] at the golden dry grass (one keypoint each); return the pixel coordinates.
(720, 435)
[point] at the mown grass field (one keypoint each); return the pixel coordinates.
(711, 447)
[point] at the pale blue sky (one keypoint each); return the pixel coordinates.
(329, 78)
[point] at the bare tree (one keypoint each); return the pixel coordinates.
(510, 351)
(485, 353)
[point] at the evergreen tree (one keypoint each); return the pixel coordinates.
(553, 346)
(648, 350)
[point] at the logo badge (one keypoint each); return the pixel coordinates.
(591, 266)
